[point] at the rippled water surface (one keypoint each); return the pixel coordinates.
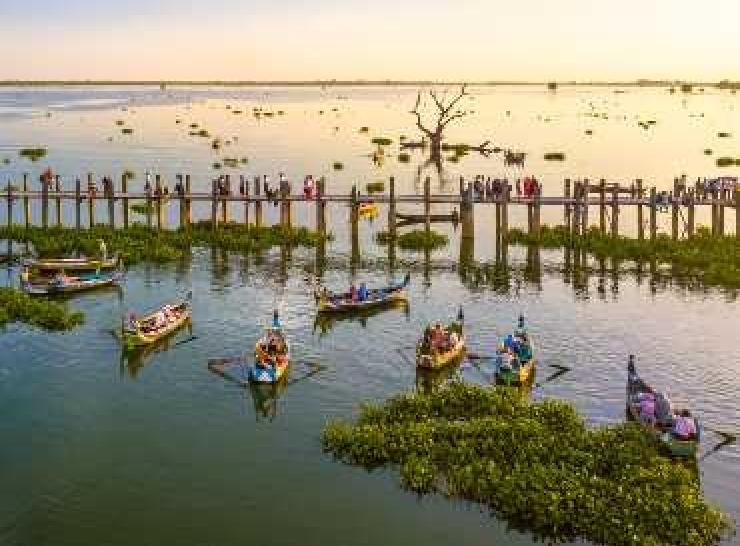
(99, 450)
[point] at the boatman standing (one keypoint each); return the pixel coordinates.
(103, 250)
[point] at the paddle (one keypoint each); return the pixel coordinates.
(561, 371)
(727, 439)
(314, 369)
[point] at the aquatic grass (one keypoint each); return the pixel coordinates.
(708, 151)
(404, 157)
(32, 154)
(382, 141)
(142, 208)
(417, 239)
(375, 187)
(119, 122)
(364, 129)
(715, 260)
(535, 465)
(140, 243)
(554, 156)
(17, 306)
(724, 134)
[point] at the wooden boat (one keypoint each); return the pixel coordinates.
(270, 365)
(332, 303)
(71, 264)
(676, 446)
(428, 357)
(368, 209)
(513, 371)
(63, 284)
(146, 330)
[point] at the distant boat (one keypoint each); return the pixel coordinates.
(63, 284)
(330, 302)
(148, 329)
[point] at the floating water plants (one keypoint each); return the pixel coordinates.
(6, 161)
(119, 122)
(280, 113)
(375, 187)
(337, 165)
(216, 144)
(381, 141)
(236, 111)
(202, 133)
(16, 306)
(193, 125)
(364, 129)
(231, 162)
(404, 157)
(216, 165)
(723, 134)
(34, 154)
(725, 161)
(537, 466)
(708, 151)
(589, 132)
(127, 131)
(554, 156)
(417, 239)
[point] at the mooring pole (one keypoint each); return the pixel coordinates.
(58, 200)
(321, 207)
(427, 205)
(188, 202)
(640, 220)
(159, 195)
(45, 203)
(653, 214)
(26, 202)
(10, 206)
(244, 183)
(124, 199)
(466, 216)
(354, 217)
(257, 203)
(78, 204)
(90, 201)
(392, 223)
(615, 213)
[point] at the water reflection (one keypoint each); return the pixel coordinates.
(135, 360)
(265, 398)
(325, 322)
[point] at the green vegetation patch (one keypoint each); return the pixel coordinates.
(382, 141)
(375, 187)
(724, 134)
(535, 465)
(337, 166)
(404, 157)
(417, 239)
(33, 154)
(714, 260)
(364, 129)
(127, 131)
(140, 243)
(725, 161)
(17, 306)
(555, 156)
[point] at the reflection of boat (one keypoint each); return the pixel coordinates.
(157, 325)
(271, 355)
(265, 397)
(136, 359)
(326, 321)
(515, 364)
(51, 265)
(636, 390)
(429, 380)
(63, 284)
(452, 339)
(331, 302)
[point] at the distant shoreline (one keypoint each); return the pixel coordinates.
(725, 84)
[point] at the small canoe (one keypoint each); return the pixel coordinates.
(157, 325)
(368, 209)
(332, 303)
(452, 350)
(520, 374)
(71, 264)
(515, 366)
(636, 388)
(271, 355)
(67, 285)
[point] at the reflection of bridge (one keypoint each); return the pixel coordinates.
(578, 197)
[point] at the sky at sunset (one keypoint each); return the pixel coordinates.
(474, 40)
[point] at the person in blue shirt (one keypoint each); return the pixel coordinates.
(524, 350)
(362, 292)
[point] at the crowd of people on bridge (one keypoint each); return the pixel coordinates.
(486, 189)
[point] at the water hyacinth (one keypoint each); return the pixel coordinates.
(140, 243)
(34, 154)
(536, 466)
(417, 239)
(16, 306)
(375, 187)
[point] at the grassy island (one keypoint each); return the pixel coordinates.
(140, 243)
(535, 465)
(417, 239)
(16, 306)
(716, 260)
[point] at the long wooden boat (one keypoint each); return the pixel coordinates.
(332, 303)
(431, 358)
(67, 285)
(636, 387)
(157, 325)
(519, 369)
(271, 366)
(71, 264)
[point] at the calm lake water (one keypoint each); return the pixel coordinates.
(98, 450)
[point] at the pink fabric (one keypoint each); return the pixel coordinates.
(685, 427)
(647, 407)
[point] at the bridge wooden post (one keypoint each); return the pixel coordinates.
(653, 214)
(188, 202)
(537, 212)
(392, 223)
(90, 201)
(567, 208)
(576, 207)
(159, 195)
(214, 205)
(45, 203)
(180, 201)
(530, 217)
(427, 205)
(602, 206)
(124, 199)
(26, 203)
(285, 205)
(225, 200)
(721, 218)
(257, 203)
(691, 216)
(10, 206)
(737, 213)
(640, 220)
(111, 205)
(321, 207)
(674, 210)
(505, 216)
(615, 213)
(245, 183)
(466, 216)
(354, 217)
(58, 200)
(78, 204)
(585, 193)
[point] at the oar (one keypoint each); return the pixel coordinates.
(405, 357)
(727, 439)
(315, 368)
(183, 341)
(478, 356)
(561, 371)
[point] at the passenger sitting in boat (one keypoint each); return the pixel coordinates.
(647, 407)
(362, 292)
(663, 410)
(525, 349)
(511, 344)
(438, 337)
(132, 324)
(684, 426)
(353, 293)
(453, 340)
